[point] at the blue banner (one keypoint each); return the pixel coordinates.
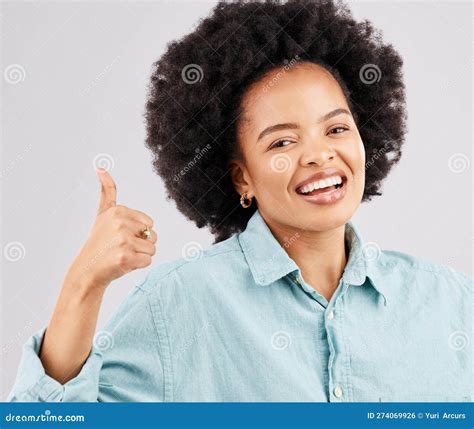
(238, 415)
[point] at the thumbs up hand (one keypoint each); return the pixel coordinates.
(116, 243)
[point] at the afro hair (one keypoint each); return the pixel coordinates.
(194, 96)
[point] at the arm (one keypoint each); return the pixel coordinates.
(124, 364)
(68, 338)
(115, 246)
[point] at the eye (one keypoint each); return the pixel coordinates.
(277, 143)
(339, 128)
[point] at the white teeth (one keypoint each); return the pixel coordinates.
(334, 180)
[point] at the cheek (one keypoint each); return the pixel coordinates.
(355, 158)
(273, 173)
(359, 165)
(362, 153)
(279, 165)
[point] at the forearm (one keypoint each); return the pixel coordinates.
(70, 332)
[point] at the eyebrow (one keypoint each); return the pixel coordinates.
(292, 125)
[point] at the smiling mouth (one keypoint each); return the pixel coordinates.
(322, 187)
(324, 192)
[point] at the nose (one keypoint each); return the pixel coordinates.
(317, 151)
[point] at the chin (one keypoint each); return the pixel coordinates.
(328, 211)
(327, 224)
(325, 218)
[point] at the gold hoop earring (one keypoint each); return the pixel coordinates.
(243, 198)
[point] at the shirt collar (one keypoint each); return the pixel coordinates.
(269, 261)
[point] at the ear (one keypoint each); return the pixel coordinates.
(239, 176)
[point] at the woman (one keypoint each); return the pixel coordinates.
(270, 124)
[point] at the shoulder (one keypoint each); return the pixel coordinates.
(176, 280)
(409, 265)
(217, 259)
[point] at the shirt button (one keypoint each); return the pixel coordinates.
(299, 279)
(338, 391)
(331, 315)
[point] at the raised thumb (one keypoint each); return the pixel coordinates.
(108, 190)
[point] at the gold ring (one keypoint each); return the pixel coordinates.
(146, 232)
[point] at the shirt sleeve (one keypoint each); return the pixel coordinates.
(124, 364)
(32, 384)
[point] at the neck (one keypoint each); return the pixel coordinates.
(320, 255)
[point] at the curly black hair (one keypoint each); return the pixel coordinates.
(194, 97)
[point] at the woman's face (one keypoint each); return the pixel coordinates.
(297, 123)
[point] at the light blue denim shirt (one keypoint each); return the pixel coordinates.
(238, 323)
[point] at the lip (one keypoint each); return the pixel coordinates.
(320, 175)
